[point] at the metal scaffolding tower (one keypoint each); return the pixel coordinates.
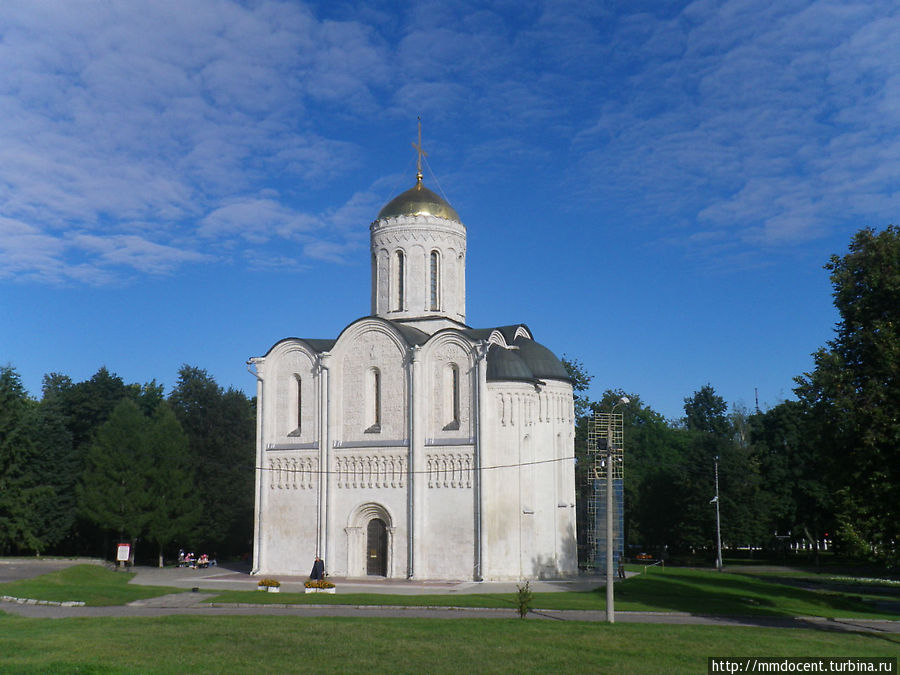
(605, 429)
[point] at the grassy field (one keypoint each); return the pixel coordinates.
(297, 644)
(275, 644)
(92, 584)
(670, 589)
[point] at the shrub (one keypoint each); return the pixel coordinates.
(524, 597)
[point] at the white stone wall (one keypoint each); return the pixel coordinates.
(289, 535)
(288, 366)
(440, 357)
(447, 541)
(288, 459)
(529, 501)
(369, 347)
(417, 237)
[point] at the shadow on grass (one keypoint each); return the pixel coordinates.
(723, 594)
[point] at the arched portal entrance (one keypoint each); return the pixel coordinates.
(370, 542)
(376, 548)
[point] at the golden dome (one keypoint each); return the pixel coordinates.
(418, 201)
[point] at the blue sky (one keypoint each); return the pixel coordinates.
(653, 187)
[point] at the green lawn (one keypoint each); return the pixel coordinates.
(274, 644)
(92, 584)
(670, 589)
(269, 644)
(661, 590)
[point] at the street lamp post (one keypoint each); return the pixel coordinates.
(718, 522)
(610, 543)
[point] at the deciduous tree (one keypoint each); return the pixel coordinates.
(853, 393)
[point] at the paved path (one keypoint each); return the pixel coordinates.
(198, 604)
(238, 578)
(222, 578)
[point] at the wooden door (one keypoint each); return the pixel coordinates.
(376, 548)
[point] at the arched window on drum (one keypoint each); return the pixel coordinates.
(434, 281)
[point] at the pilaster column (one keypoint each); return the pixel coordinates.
(259, 483)
(481, 433)
(324, 496)
(414, 488)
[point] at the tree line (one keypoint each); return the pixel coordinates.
(97, 462)
(825, 466)
(100, 460)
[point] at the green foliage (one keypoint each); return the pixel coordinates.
(706, 412)
(100, 457)
(221, 428)
(35, 474)
(581, 380)
(853, 393)
(172, 509)
(137, 481)
(114, 492)
(796, 499)
(524, 598)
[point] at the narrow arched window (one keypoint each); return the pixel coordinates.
(452, 397)
(299, 404)
(400, 288)
(293, 413)
(373, 414)
(376, 398)
(454, 388)
(434, 281)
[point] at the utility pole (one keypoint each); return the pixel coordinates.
(610, 541)
(610, 538)
(718, 522)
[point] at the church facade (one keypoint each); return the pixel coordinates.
(412, 445)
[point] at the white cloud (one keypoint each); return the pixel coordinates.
(775, 125)
(236, 125)
(257, 220)
(128, 250)
(146, 112)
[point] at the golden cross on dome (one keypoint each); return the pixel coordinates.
(420, 153)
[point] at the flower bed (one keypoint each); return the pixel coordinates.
(319, 586)
(270, 585)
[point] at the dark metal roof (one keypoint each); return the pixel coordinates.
(542, 362)
(506, 364)
(413, 336)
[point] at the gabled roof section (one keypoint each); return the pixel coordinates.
(315, 345)
(411, 336)
(512, 356)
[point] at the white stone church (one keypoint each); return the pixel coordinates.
(413, 446)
